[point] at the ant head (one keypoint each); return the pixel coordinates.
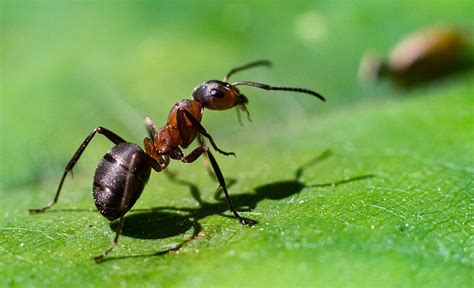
(221, 95)
(218, 95)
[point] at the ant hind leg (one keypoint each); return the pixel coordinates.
(101, 130)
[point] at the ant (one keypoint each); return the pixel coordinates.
(124, 171)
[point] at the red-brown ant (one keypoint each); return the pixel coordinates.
(124, 171)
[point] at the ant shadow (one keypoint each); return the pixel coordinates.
(167, 221)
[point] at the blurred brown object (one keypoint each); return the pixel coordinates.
(421, 57)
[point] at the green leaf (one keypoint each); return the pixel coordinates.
(372, 188)
(387, 199)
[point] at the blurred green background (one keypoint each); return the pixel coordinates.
(68, 67)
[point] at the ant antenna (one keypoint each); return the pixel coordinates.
(247, 66)
(268, 87)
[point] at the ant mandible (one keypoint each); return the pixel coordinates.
(124, 171)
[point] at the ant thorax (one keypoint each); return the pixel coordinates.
(192, 106)
(173, 134)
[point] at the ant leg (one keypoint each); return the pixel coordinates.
(107, 133)
(150, 127)
(203, 131)
(187, 133)
(206, 159)
(118, 230)
(126, 199)
(191, 157)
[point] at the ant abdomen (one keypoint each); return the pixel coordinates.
(115, 172)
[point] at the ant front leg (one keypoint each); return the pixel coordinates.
(191, 157)
(206, 159)
(107, 133)
(199, 128)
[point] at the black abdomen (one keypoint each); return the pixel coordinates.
(111, 176)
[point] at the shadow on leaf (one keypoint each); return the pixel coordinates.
(167, 221)
(155, 224)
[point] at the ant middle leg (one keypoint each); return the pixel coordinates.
(191, 157)
(103, 131)
(151, 128)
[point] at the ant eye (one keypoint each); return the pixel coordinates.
(217, 93)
